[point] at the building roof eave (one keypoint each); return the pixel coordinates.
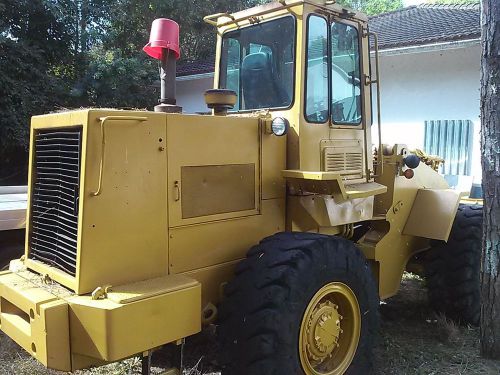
(430, 47)
(191, 77)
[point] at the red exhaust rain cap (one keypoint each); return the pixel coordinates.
(164, 34)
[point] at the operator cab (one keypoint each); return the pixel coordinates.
(308, 62)
(258, 63)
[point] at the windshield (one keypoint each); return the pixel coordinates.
(257, 62)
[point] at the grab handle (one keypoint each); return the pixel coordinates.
(104, 121)
(380, 155)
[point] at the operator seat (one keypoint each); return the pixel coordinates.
(260, 87)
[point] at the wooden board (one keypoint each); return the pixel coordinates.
(13, 210)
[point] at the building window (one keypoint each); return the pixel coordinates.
(451, 140)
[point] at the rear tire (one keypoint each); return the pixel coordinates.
(453, 268)
(292, 283)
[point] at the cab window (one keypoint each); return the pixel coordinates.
(333, 89)
(258, 62)
(345, 73)
(317, 70)
(233, 66)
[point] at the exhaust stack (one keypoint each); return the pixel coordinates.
(164, 46)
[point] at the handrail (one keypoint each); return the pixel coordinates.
(104, 120)
(283, 6)
(212, 18)
(380, 154)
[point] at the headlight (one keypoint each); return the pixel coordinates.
(280, 126)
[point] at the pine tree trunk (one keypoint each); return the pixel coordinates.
(490, 159)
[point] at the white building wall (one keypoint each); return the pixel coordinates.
(437, 85)
(415, 87)
(190, 93)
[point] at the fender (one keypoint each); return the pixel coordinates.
(433, 213)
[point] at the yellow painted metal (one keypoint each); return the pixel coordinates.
(365, 190)
(133, 166)
(169, 203)
(36, 320)
(67, 332)
(331, 183)
(128, 186)
(217, 189)
(468, 200)
(213, 279)
(385, 243)
(157, 312)
(433, 213)
(105, 121)
(328, 211)
(198, 246)
(213, 142)
(330, 331)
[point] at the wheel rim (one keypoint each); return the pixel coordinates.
(330, 330)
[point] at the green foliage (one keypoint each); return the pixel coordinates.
(117, 81)
(75, 53)
(130, 22)
(373, 7)
(29, 90)
(459, 2)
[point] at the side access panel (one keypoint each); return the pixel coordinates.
(213, 168)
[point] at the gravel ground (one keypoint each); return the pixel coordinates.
(413, 341)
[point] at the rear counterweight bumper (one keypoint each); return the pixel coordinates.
(68, 332)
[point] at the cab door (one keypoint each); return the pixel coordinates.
(336, 121)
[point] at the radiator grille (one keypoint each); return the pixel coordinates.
(344, 161)
(54, 198)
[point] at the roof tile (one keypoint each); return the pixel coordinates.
(425, 24)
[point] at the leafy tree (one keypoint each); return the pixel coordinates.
(29, 90)
(73, 53)
(33, 23)
(32, 43)
(118, 81)
(459, 2)
(373, 7)
(131, 21)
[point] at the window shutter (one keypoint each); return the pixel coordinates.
(451, 140)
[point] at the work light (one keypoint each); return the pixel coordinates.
(280, 126)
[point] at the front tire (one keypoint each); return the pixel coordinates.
(300, 303)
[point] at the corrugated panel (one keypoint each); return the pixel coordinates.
(451, 140)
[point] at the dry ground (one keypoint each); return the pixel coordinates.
(413, 341)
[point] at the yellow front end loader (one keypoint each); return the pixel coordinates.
(272, 216)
